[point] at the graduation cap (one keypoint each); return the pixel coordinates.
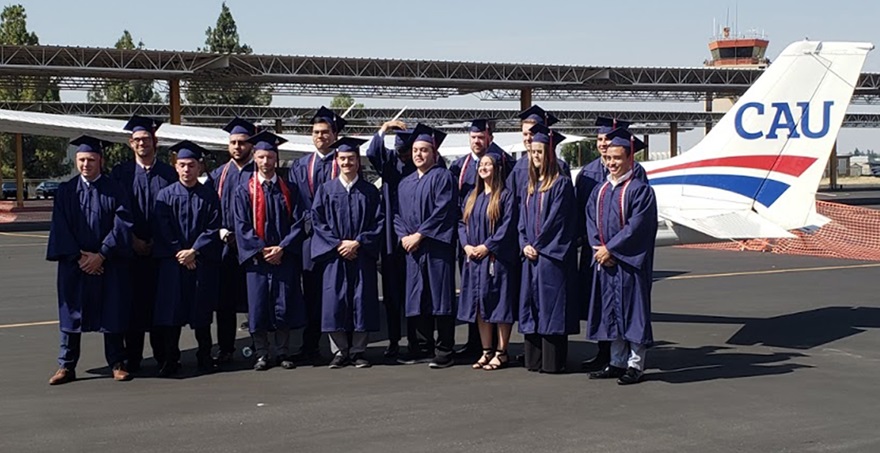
(348, 144)
(538, 115)
(624, 138)
(188, 150)
(423, 133)
(401, 137)
(266, 141)
(139, 123)
(545, 135)
(240, 126)
(86, 144)
(481, 125)
(606, 125)
(325, 115)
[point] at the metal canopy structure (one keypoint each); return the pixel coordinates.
(84, 68)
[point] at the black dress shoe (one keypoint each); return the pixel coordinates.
(610, 372)
(359, 361)
(262, 364)
(339, 361)
(169, 369)
(224, 358)
(441, 361)
(597, 363)
(632, 376)
(392, 351)
(286, 363)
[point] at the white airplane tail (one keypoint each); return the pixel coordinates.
(756, 173)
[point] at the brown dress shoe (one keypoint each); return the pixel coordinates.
(119, 373)
(62, 376)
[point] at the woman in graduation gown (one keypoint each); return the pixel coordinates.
(187, 244)
(425, 222)
(90, 239)
(268, 232)
(348, 218)
(548, 312)
(488, 235)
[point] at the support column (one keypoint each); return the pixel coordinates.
(709, 99)
(174, 100)
(673, 139)
(647, 150)
(525, 98)
(832, 167)
(19, 170)
(279, 129)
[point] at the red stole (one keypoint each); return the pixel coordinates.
(258, 201)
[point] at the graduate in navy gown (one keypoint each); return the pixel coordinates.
(90, 240)
(464, 169)
(488, 236)
(392, 165)
(621, 228)
(548, 312)
(425, 221)
(268, 233)
(347, 217)
(233, 289)
(187, 244)
(592, 174)
(141, 180)
(518, 178)
(307, 174)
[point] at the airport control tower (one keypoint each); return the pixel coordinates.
(735, 51)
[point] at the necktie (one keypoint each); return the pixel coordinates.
(270, 213)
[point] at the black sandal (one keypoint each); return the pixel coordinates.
(484, 360)
(498, 358)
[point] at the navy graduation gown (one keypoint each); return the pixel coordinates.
(547, 292)
(91, 218)
(187, 218)
(274, 291)
(518, 179)
(350, 289)
(231, 180)
(141, 188)
(489, 285)
(428, 205)
(392, 170)
(308, 173)
(621, 304)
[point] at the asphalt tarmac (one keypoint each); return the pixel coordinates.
(755, 352)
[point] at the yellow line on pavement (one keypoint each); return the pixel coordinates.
(774, 271)
(28, 324)
(26, 235)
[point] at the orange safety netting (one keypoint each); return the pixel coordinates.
(851, 234)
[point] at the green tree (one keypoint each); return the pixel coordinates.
(223, 38)
(580, 153)
(43, 156)
(140, 91)
(341, 102)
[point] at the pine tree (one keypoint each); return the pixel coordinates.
(223, 38)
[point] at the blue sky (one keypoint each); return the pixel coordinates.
(635, 33)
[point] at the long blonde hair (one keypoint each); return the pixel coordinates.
(496, 183)
(548, 173)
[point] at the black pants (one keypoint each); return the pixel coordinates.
(422, 330)
(545, 353)
(312, 296)
(233, 299)
(171, 338)
(394, 291)
(144, 279)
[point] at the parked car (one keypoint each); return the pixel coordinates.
(9, 189)
(47, 189)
